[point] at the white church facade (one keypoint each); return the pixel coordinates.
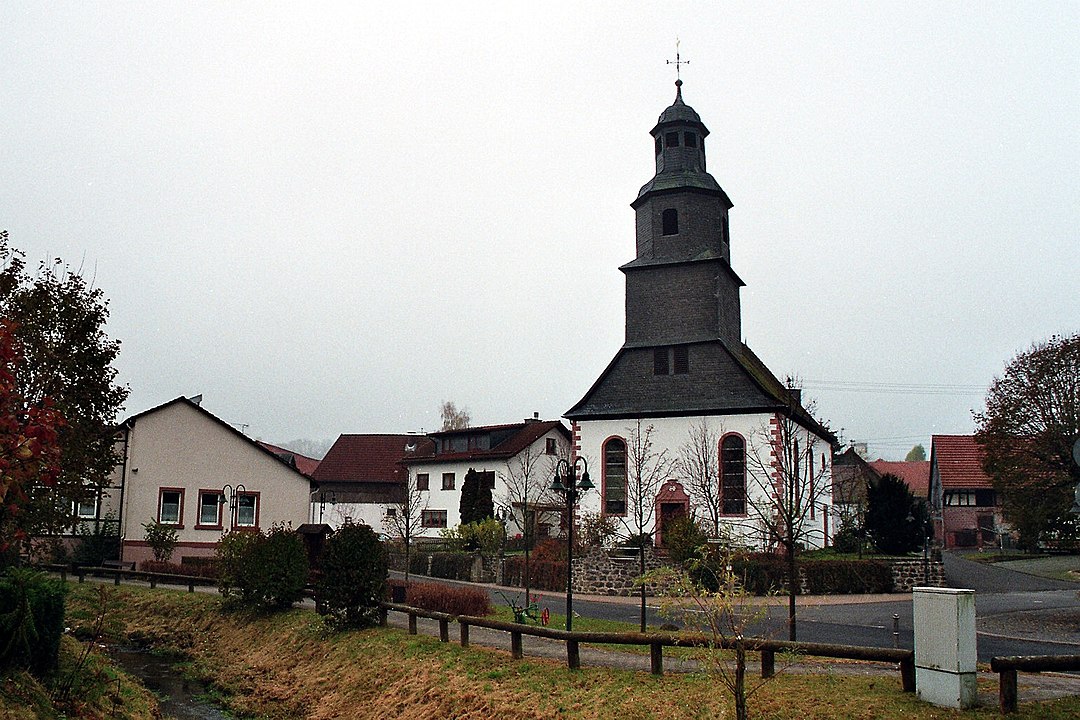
(684, 380)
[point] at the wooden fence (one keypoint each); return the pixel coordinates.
(123, 573)
(1006, 667)
(656, 642)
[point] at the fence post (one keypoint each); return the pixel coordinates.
(573, 655)
(464, 634)
(82, 576)
(907, 674)
(768, 663)
(383, 622)
(444, 630)
(191, 585)
(656, 656)
(153, 581)
(515, 645)
(412, 623)
(1007, 691)
(116, 578)
(63, 574)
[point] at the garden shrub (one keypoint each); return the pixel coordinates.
(758, 573)
(684, 539)
(847, 540)
(31, 621)
(162, 539)
(353, 580)
(447, 599)
(96, 545)
(451, 566)
(264, 572)
(418, 563)
(208, 570)
(840, 577)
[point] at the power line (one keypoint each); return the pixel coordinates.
(895, 388)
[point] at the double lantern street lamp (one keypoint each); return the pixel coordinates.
(231, 495)
(567, 484)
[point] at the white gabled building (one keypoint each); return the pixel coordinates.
(683, 364)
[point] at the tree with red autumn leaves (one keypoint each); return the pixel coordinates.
(29, 450)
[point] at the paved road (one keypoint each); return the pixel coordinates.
(839, 620)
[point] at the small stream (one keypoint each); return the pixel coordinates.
(179, 698)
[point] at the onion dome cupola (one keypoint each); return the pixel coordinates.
(682, 212)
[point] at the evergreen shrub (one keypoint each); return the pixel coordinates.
(684, 539)
(353, 577)
(451, 566)
(263, 572)
(846, 577)
(31, 621)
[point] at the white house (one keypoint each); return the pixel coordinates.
(500, 453)
(179, 462)
(683, 368)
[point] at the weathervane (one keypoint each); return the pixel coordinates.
(677, 62)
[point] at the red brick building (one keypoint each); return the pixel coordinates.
(963, 503)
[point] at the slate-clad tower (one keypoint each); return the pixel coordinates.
(683, 354)
(680, 288)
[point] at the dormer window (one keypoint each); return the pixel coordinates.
(670, 222)
(671, 139)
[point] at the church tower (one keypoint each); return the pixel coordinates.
(680, 288)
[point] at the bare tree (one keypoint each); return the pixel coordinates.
(452, 418)
(528, 486)
(789, 490)
(646, 470)
(404, 519)
(700, 467)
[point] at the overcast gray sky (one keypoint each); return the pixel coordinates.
(330, 219)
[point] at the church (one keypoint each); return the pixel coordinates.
(685, 418)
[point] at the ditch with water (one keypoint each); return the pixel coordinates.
(179, 698)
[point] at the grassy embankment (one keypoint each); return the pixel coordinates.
(290, 666)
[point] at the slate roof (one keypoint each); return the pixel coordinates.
(958, 459)
(724, 379)
(368, 458)
(916, 475)
(509, 441)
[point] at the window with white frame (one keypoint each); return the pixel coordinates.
(170, 506)
(247, 510)
(433, 518)
(86, 509)
(210, 508)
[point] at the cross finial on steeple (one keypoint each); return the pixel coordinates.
(677, 62)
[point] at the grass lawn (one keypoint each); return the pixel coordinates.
(291, 666)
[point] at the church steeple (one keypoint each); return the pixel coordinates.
(680, 287)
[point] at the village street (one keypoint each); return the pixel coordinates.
(1017, 613)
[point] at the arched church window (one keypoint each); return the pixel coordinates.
(614, 477)
(733, 475)
(670, 222)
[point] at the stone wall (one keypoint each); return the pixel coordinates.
(603, 572)
(914, 573)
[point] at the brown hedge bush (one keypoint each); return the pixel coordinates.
(448, 599)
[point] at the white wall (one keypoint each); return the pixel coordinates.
(671, 434)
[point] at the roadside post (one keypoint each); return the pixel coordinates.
(945, 646)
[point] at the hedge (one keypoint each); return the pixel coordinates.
(845, 577)
(546, 575)
(443, 598)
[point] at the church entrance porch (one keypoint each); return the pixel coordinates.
(672, 502)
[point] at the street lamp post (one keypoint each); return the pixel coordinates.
(566, 483)
(230, 495)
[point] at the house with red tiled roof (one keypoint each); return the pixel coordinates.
(963, 503)
(497, 452)
(916, 475)
(362, 477)
(185, 468)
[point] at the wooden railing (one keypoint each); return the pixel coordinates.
(656, 642)
(121, 573)
(1007, 666)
